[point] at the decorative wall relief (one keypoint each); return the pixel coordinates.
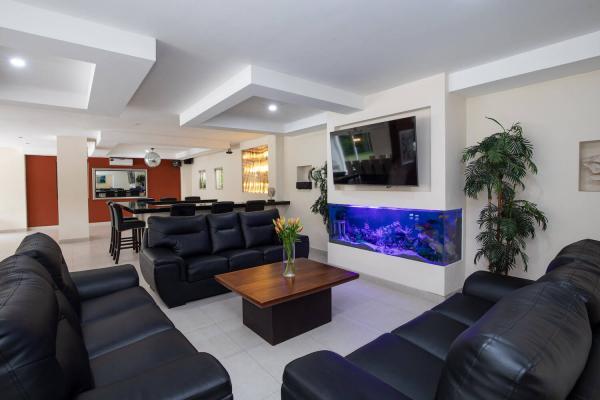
(589, 166)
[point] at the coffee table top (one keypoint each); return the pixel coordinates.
(265, 286)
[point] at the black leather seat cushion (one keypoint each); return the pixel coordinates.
(432, 331)
(258, 228)
(587, 250)
(186, 236)
(271, 253)
(243, 258)
(533, 344)
(404, 366)
(463, 308)
(588, 385)
(114, 303)
(205, 266)
(225, 232)
(137, 357)
(119, 330)
(48, 253)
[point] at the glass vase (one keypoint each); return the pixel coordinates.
(289, 261)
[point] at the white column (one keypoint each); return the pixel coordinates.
(13, 201)
(71, 163)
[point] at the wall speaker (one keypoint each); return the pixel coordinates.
(188, 161)
(176, 163)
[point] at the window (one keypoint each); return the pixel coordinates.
(219, 178)
(202, 179)
(255, 170)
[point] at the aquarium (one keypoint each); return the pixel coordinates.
(430, 236)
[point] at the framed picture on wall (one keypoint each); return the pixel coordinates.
(219, 178)
(202, 179)
(589, 166)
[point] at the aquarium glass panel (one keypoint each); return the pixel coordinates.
(430, 236)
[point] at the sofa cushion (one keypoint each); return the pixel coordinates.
(242, 258)
(588, 384)
(585, 277)
(114, 303)
(404, 366)
(119, 330)
(271, 253)
(186, 236)
(205, 267)
(258, 228)
(48, 253)
(225, 232)
(463, 308)
(135, 358)
(432, 331)
(531, 345)
(587, 250)
(42, 355)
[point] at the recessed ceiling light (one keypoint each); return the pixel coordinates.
(272, 107)
(18, 62)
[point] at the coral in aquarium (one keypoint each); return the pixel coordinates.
(424, 235)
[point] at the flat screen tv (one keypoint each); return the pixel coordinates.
(384, 153)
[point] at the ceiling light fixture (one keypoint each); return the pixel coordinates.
(18, 62)
(229, 151)
(272, 107)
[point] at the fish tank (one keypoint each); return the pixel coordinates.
(430, 236)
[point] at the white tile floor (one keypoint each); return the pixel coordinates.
(362, 310)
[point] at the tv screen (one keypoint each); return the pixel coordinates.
(384, 153)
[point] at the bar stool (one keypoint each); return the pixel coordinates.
(255, 205)
(221, 207)
(111, 247)
(122, 225)
(181, 210)
(193, 199)
(168, 199)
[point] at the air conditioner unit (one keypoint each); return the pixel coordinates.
(122, 162)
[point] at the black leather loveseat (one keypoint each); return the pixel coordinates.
(181, 255)
(501, 338)
(92, 335)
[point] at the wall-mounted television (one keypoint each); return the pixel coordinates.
(384, 153)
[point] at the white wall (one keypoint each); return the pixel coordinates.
(13, 200)
(72, 168)
(305, 149)
(445, 135)
(232, 172)
(556, 115)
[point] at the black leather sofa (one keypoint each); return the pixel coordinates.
(501, 338)
(181, 255)
(92, 335)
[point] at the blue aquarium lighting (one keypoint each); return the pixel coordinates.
(431, 236)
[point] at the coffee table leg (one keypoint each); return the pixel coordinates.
(286, 320)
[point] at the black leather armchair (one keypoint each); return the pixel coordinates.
(62, 335)
(502, 337)
(181, 255)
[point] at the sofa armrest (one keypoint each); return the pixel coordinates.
(198, 376)
(103, 281)
(164, 271)
(302, 246)
(492, 287)
(325, 375)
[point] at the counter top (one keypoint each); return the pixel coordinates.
(136, 207)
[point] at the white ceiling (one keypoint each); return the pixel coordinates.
(257, 107)
(355, 46)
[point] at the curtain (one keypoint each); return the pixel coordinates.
(255, 170)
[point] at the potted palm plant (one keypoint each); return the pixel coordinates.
(498, 166)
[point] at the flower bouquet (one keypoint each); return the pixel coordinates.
(287, 231)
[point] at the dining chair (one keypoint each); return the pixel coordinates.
(180, 210)
(192, 199)
(221, 207)
(168, 199)
(255, 205)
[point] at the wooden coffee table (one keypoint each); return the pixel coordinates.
(279, 308)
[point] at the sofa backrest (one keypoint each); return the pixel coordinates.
(186, 236)
(258, 228)
(47, 252)
(43, 355)
(225, 231)
(533, 344)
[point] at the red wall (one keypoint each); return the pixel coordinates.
(163, 181)
(42, 192)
